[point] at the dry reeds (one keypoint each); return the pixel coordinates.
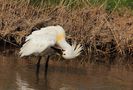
(94, 27)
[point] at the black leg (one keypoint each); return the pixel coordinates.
(46, 65)
(38, 67)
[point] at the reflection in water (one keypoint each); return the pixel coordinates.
(22, 85)
(18, 74)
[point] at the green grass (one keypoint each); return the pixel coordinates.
(113, 4)
(72, 4)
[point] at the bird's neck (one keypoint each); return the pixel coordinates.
(64, 45)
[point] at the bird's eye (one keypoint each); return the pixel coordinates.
(64, 54)
(63, 50)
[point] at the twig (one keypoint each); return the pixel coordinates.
(114, 35)
(9, 42)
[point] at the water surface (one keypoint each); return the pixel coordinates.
(19, 74)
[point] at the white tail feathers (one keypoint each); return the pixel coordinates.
(26, 49)
(77, 49)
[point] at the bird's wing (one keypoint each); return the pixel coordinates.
(37, 42)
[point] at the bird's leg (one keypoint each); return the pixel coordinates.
(46, 65)
(38, 66)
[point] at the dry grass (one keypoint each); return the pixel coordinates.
(95, 28)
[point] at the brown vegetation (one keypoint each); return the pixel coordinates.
(97, 29)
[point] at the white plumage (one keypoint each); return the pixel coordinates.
(40, 40)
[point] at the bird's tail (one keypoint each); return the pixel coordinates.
(77, 48)
(26, 49)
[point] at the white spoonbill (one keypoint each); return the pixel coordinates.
(43, 41)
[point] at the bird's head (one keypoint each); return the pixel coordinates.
(72, 52)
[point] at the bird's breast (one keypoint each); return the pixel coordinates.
(60, 37)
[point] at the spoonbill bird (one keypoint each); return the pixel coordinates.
(45, 41)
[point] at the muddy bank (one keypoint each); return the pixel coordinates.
(99, 31)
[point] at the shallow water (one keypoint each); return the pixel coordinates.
(18, 74)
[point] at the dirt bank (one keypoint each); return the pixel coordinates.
(97, 29)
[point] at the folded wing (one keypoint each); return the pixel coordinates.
(37, 42)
